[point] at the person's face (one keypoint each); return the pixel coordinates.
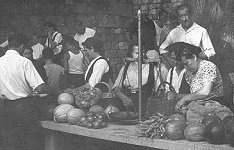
(190, 64)
(89, 52)
(35, 39)
(80, 29)
(28, 54)
(135, 52)
(185, 18)
(177, 62)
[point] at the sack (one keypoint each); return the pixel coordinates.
(162, 101)
(198, 109)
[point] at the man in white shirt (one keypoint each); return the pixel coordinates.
(99, 68)
(37, 48)
(18, 80)
(82, 33)
(189, 32)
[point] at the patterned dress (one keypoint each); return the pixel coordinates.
(54, 73)
(207, 71)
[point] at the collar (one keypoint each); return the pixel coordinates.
(8, 52)
(194, 26)
(54, 33)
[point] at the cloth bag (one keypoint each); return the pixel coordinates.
(198, 109)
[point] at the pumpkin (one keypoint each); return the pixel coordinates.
(175, 129)
(194, 132)
(215, 133)
(229, 132)
(74, 115)
(177, 117)
(60, 112)
(65, 98)
(210, 118)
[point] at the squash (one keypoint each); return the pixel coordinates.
(175, 129)
(210, 118)
(194, 132)
(215, 133)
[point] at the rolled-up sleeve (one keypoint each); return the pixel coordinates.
(32, 76)
(207, 45)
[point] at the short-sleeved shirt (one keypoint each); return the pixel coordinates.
(195, 35)
(18, 76)
(82, 37)
(54, 73)
(99, 69)
(207, 71)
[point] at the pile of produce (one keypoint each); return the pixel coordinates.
(85, 97)
(93, 120)
(175, 127)
(67, 111)
(153, 127)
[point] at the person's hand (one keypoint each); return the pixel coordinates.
(127, 102)
(202, 55)
(180, 104)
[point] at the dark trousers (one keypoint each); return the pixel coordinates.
(75, 80)
(20, 126)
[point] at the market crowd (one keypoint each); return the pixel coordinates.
(175, 49)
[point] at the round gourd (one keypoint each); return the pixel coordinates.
(175, 129)
(60, 112)
(210, 118)
(74, 115)
(65, 98)
(177, 117)
(215, 133)
(194, 132)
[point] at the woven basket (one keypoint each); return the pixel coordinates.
(107, 94)
(159, 102)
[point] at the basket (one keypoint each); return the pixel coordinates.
(107, 94)
(161, 102)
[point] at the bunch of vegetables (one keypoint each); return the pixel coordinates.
(153, 127)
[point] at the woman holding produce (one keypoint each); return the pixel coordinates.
(206, 86)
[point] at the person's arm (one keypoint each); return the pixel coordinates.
(124, 98)
(66, 57)
(34, 79)
(200, 94)
(117, 89)
(207, 46)
(100, 67)
(166, 43)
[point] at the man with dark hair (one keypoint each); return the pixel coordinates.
(189, 32)
(54, 41)
(99, 68)
(82, 32)
(148, 32)
(19, 111)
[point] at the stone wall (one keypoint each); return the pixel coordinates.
(108, 17)
(153, 6)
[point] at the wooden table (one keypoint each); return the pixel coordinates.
(122, 134)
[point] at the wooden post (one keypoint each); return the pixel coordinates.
(139, 64)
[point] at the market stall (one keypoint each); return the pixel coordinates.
(121, 134)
